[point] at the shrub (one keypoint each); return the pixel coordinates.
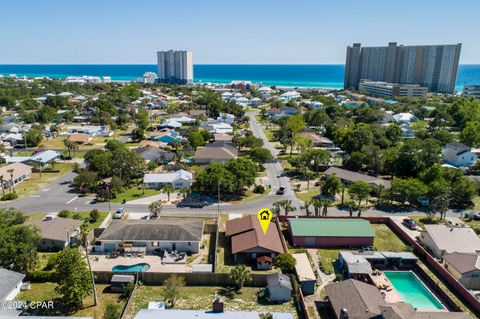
(41, 276)
(52, 261)
(259, 189)
(338, 277)
(94, 215)
(64, 213)
(112, 311)
(285, 262)
(9, 196)
(77, 216)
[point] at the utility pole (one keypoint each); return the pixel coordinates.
(218, 200)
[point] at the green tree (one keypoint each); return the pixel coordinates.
(240, 275)
(73, 277)
(86, 181)
(359, 191)
(244, 170)
(195, 139)
(168, 189)
(213, 176)
(138, 134)
(332, 185)
(470, 135)
(85, 242)
(285, 262)
(155, 208)
(285, 204)
(260, 155)
(171, 290)
(33, 137)
(403, 190)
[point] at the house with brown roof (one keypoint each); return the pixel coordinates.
(317, 139)
(349, 177)
(222, 137)
(249, 243)
(442, 240)
(353, 299)
(219, 152)
(465, 267)
(79, 138)
(56, 233)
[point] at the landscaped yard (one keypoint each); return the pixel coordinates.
(200, 298)
(250, 196)
(326, 258)
(308, 195)
(46, 292)
(134, 193)
(36, 183)
(79, 215)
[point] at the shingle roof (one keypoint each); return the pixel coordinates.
(247, 234)
(463, 262)
(160, 229)
(9, 280)
(56, 228)
(19, 169)
(168, 177)
(454, 239)
(361, 300)
(303, 268)
(331, 227)
(278, 279)
(350, 176)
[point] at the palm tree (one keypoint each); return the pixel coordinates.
(75, 147)
(326, 203)
(10, 171)
(184, 192)
(84, 240)
(239, 275)
(317, 205)
(2, 180)
(168, 189)
(155, 208)
(68, 146)
(287, 206)
(380, 191)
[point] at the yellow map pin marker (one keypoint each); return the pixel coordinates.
(264, 217)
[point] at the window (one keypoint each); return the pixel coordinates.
(155, 244)
(189, 244)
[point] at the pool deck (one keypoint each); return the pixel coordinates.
(386, 288)
(102, 263)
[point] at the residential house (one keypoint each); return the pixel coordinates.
(155, 154)
(360, 264)
(205, 314)
(305, 274)
(273, 113)
(10, 128)
(458, 155)
(315, 105)
(11, 284)
(94, 130)
(179, 179)
(150, 143)
(279, 288)
(41, 158)
(353, 299)
(171, 124)
(216, 127)
(288, 111)
(349, 177)
(318, 140)
(330, 232)
(171, 234)
(290, 95)
(256, 102)
(219, 152)
(79, 138)
(249, 242)
(56, 233)
(180, 118)
(465, 267)
(197, 113)
(19, 173)
(222, 138)
(349, 103)
(226, 96)
(166, 135)
(442, 240)
(226, 118)
(404, 118)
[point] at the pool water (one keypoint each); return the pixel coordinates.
(412, 290)
(132, 268)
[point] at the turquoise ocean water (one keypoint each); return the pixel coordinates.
(311, 75)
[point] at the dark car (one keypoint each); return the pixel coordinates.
(410, 224)
(281, 190)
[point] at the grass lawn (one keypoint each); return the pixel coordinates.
(386, 240)
(200, 298)
(326, 258)
(250, 196)
(474, 224)
(134, 193)
(308, 195)
(46, 292)
(36, 183)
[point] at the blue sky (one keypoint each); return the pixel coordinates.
(246, 31)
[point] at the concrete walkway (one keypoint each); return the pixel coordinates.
(150, 199)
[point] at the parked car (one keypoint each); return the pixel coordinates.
(410, 224)
(281, 190)
(119, 213)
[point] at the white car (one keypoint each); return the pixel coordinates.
(119, 213)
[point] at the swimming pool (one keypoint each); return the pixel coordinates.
(412, 290)
(131, 268)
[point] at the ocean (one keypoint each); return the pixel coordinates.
(294, 75)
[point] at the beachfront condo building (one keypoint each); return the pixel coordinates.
(431, 66)
(390, 90)
(175, 67)
(472, 91)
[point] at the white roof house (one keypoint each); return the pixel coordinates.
(43, 158)
(65, 94)
(290, 95)
(204, 314)
(183, 119)
(11, 283)
(404, 118)
(226, 118)
(178, 179)
(442, 240)
(171, 123)
(265, 89)
(458, 155)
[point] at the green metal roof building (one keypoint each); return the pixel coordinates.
(331, 232)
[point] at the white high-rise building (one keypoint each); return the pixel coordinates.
(175, 67)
